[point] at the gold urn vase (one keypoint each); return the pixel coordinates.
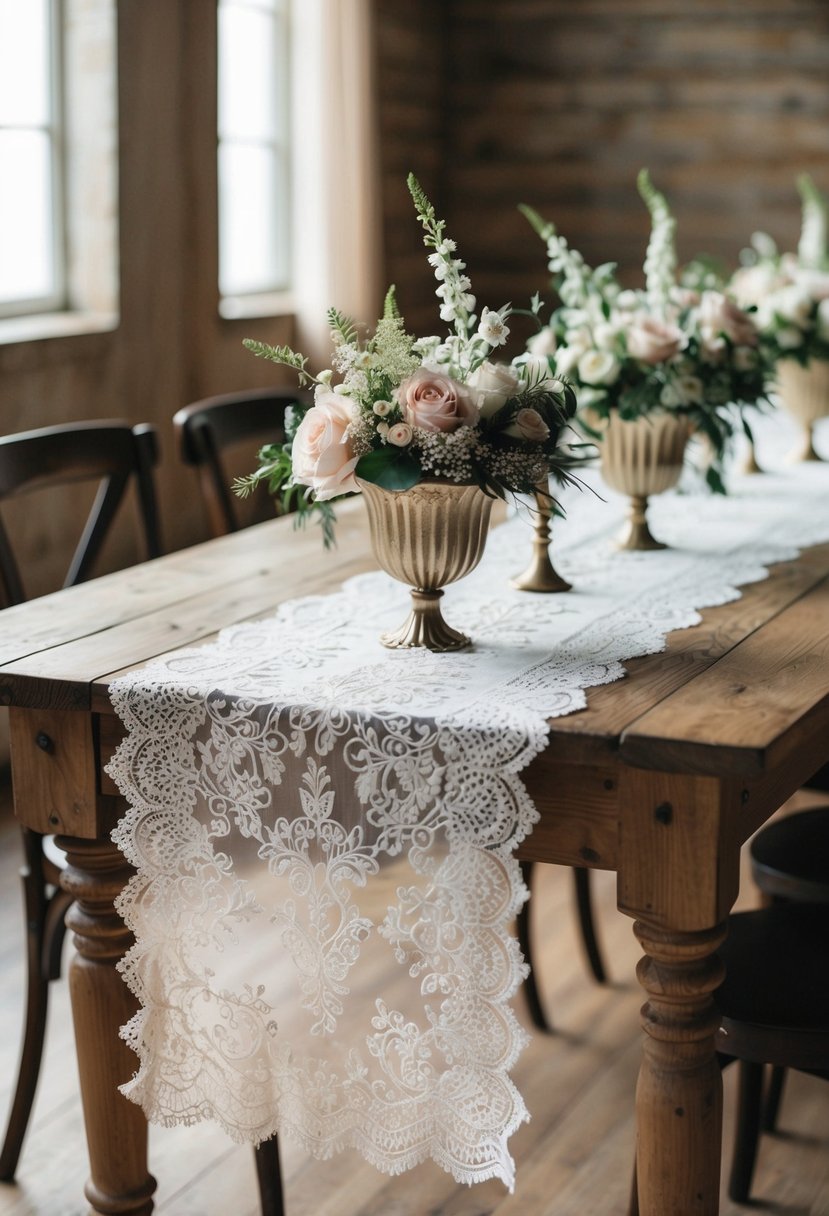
(805, 394)
(427, 536)
(642, 457)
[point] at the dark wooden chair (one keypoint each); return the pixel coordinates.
(589, 941)
(113, 454)
(207, 429)
(790, 861)
(774, 1009)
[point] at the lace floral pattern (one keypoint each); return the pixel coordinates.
(278, 776)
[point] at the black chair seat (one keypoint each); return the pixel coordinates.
(774, 1001)
(790, 857)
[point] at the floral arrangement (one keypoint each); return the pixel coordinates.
(666, 346)
(790, 291)
(395, 410)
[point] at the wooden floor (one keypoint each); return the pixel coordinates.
(574, 1157)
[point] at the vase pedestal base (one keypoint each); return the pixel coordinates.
(636, 535)
(425, 626)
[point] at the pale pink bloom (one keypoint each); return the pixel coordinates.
(652, 340)
(400, 434)
(528, 424)
(435, 402)
(719, 317)
(321, 450)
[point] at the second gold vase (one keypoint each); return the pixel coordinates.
(642, 457)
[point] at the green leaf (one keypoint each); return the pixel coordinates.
(390, 468)
(390, 310)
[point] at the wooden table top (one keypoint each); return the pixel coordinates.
(731, 696)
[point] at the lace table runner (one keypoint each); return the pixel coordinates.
(278, 777)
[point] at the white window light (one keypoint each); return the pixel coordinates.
(254, 183)
(31, 230)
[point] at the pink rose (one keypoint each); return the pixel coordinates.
(435, 402)
(321, 451)
(652, 340)
(719, 317)
(528, 424)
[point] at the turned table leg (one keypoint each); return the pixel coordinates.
(679, 1093)
(116, 1129)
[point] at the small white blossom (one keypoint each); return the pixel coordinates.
(400, 434)
(492, 328)
(381, 408)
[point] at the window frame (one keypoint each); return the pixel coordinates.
(264, 299)
(57, 299)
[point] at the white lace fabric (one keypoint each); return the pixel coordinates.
(297, 790)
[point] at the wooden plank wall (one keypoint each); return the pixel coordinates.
(558, 103)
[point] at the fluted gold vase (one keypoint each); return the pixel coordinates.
(805, 394)
(428, 536)
(642, 457)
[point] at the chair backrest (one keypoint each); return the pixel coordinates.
(109, 452)
(207, 428)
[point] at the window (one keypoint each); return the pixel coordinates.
(254, 187)
(31, 240)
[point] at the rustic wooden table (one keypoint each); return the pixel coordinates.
(662, 778)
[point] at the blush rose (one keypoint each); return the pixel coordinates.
(435, 402)
(321, 452)
(653, 341)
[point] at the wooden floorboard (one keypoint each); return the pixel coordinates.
(574, 1157)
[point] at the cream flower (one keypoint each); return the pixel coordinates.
(690, 389)
(381, 408)
(492, 384)
(321, 452)
(598, 367)
(535, 372)
(400, 434)
(542, 343)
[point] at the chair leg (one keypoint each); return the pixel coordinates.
(749, 1099)
(269, 1177)
(771, 1106)
(37, 997)
(581, 878)
(538, 1016)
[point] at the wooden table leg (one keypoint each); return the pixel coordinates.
(116, 1129)
(679, 1093)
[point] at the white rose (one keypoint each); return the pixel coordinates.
(669, 396)
(491, 384)
(751, 284)
(605, 335)
(566, 359)
(794, 305)
(381, 408)
(598, 367)
(814, 282)
(789, 337)
(542, 343)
